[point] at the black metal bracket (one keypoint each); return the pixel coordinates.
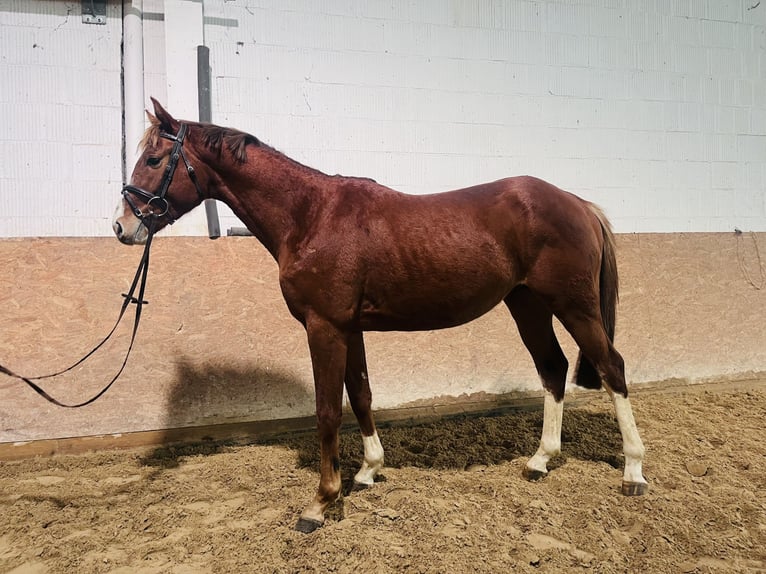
(94, 11)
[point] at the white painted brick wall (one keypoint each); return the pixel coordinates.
(656, 110)
(60, 119)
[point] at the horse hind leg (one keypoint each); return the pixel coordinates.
(633, 481)
(360, 397)
(550, 440)
(590, 335)
(534, 321)
(586, 375)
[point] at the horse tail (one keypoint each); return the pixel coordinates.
(609, 283)
(585, 373)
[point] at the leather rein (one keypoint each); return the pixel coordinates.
(157, 207)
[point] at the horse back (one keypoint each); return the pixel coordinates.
(510, 220)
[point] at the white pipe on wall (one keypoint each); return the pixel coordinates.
(133, 79)
(184, 31)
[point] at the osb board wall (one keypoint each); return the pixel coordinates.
(217, 344)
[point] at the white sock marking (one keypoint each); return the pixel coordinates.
(632, 446)
(550, 442)
(373, 460)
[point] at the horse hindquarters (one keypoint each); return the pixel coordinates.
(592, 328)
(583, 297)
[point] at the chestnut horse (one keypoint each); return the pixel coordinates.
(356, 256)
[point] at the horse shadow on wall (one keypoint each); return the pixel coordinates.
(218, 393)
(208, 394)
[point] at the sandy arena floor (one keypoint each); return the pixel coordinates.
(452, 499)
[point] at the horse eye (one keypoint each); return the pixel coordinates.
(153, 161)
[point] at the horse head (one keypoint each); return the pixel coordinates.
(156, 195)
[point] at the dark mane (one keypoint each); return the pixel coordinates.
(216, 138)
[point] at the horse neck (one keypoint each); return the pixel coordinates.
(272, 194)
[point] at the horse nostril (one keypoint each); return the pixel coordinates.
(117, 229)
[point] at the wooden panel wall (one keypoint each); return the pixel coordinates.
(217, 344)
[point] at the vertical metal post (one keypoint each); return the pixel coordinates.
(205, 115)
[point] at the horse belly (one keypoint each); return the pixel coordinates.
(427, 303)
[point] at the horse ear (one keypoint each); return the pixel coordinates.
(152, 118)
(166, 122)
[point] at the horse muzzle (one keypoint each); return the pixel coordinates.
(128, 228)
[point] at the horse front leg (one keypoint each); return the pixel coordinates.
(360, 397)
(328, 348)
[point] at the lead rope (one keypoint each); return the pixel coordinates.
(139, 281)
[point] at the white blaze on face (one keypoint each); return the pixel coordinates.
(119, 211)
(126, 226)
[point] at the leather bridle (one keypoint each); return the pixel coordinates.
(157, 203)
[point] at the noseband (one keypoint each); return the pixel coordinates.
(157, 204)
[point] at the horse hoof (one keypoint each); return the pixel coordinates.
(533, 475)
(634, 488)
(307, 525)
(359, 486)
